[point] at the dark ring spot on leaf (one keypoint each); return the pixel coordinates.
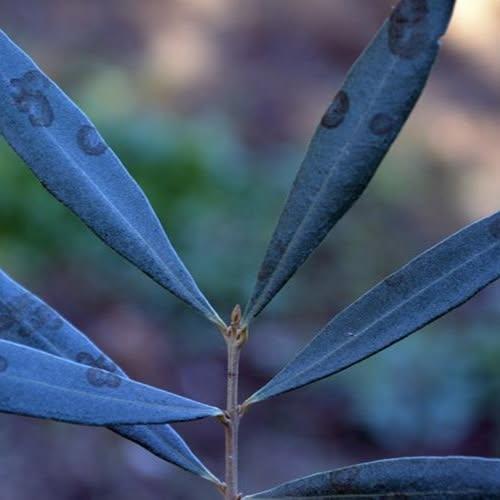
(100, 362)
(40, 113)
(84, 358)
(382, 124)
(29, 315)
(113, 381)
(407, 28)
(337, 111)
(43, 317)
(3, 364)
(21, 303)
(104, 364)
(38, 109)
(29, 98)
(410, 12)
(495, 228)
(33, 82)
(89, 141)
(96, 377)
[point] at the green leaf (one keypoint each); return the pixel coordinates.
(26, 320)
(353, 137)
(432, 478)
(69, 157)
(432, 284)
(38, 384)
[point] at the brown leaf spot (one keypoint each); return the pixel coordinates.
(337, 111)
(407, 28)
(89, 141)
(4, 364)
(382, 124)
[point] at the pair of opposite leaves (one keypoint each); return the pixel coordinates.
(73, 162)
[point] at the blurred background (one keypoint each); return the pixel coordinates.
(210, 104)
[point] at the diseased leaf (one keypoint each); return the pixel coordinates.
(69, 157)
(432, 284)
(353, 137)
(38, 384)
(25, 319)
(164, 442)
(432, 478)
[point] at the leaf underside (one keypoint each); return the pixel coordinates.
(26, 320)
(429, 286)
(353, 137)
(38, 384)
(70, 158)
(432, 478)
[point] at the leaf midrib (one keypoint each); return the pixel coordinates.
(145, 429)
(345, 148)
(99, 396)
(73, 161)
(153, 252)
(394, 309)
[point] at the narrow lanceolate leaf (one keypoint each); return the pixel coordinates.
(38, 384)
(69, 157)
(25, 319)
(353, 137)
(432, 478)
(428, 287)
(165, 443)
